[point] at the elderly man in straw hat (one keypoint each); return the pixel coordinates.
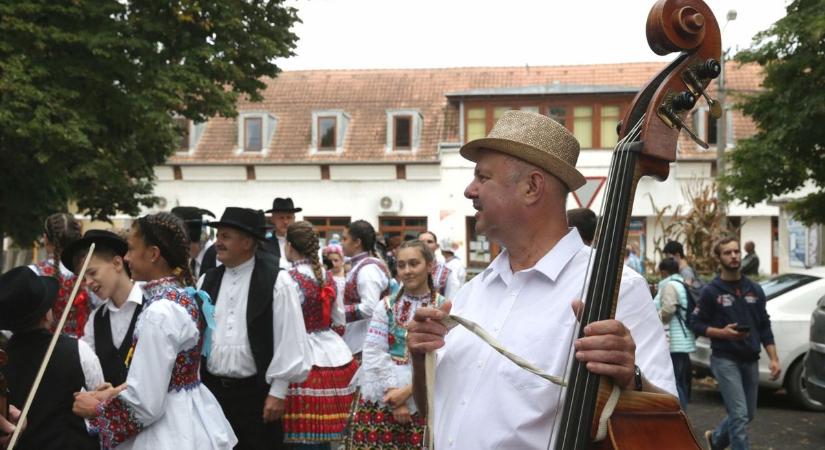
(524, 170)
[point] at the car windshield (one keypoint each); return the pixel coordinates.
(781, 284)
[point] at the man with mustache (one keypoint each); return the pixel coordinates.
(524, 171)
(731, 312)
(254, 346)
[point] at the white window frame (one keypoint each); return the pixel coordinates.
(415, 139)
(341, 125)
(195, 132)
(269, 123)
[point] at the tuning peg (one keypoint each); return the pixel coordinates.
(683, 101)
(695, 86)
(673, 120)
(709, 69)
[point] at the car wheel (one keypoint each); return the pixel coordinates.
(795, 384)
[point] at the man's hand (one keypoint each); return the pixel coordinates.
(105, 391)
(728, 333)
(85, 405)
(402, 414)
(396, 397)
(7, 427)
(425, 332)
(273, 409)
(608, 349)
(775, 369)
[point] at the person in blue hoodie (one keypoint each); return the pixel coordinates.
(731, 312)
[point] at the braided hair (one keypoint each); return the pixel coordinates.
(304, 239)
(168, 232)
(429, 257)
(61, 230)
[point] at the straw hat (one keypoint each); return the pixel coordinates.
(536, 139)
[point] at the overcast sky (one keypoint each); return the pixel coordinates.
(340, 34)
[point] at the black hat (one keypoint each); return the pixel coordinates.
(25, 297)
(248, 220)
(193, 218)
(102, 238)
(283, 205)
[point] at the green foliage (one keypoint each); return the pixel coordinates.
(88, 90)
(788, 151)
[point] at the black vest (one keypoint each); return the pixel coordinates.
(51, 424)
(258, 308)
(113, 359)
(271, 246)
(209, 261)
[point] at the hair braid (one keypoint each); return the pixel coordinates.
(61, 230)
(303, 238)
(167, 232)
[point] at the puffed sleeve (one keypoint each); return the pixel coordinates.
(290, 358)
(377, 373)
(371, 283)
(164, 330)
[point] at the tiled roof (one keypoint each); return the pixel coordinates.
(366, 95)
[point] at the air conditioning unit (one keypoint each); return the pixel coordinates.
(389, 204)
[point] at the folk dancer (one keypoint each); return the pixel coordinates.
(202, 255)
(367, 282)
(445, 279)
(26, 305)
(386, 416)
(258, 345)
(282, 215)
(316, 409)
(163, 404)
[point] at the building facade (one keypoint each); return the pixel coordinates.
(382, 145)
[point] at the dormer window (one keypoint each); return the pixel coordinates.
(189, 134)
(326, 133)
(255, 131)
(403, 130)
(329, 129)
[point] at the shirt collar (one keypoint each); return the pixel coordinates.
(357, 258)
(135, 296)
(243, 267)
(550, 265)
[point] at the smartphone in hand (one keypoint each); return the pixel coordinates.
(742, 328)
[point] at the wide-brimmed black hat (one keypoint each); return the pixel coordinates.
(25, 297)
(250, 221)
(193, 218)
(283, 205)
(101, 238)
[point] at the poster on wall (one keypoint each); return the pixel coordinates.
(797, 244)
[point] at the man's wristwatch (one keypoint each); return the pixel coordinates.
(637, 378)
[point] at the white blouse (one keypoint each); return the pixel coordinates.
(326, 348)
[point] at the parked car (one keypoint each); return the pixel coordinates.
(792, 297)
(815, 360)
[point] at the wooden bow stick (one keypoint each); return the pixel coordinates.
(49, 352)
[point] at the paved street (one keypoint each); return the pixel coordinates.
(778, 425)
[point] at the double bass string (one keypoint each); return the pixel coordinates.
(621, 149)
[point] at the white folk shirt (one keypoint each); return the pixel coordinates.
(231, 354)
(530, 313)
(283, 262)
(457, 266)
(119, 318)
(372, 281)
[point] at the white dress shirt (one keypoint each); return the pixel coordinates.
(530, 313)
(372, 281)
(457, 266)
(283, 262)
(92, 371)
(201, 254)
(119, 318)
(231, 354)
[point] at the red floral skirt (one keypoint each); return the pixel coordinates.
(374, 427)
(317, 409)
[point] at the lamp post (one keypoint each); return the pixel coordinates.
(722, 122)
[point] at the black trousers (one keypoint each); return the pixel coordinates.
(242, 402)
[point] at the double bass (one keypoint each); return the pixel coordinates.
(648, 138)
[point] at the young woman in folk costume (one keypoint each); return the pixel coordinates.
(335, 255)
(316, 409)
(446, 281)
(163, 404)
(59, 231)
(367, 282)
(386, 416)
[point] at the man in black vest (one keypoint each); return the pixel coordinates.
(202, 256)
(26, 301)
(283, 215)
(110, 330)
(257, 347)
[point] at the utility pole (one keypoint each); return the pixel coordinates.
(722, 125)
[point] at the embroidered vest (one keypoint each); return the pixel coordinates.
(351, 296)
(313, 306)
(440, 274)
(399, 314)
(81, 307)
